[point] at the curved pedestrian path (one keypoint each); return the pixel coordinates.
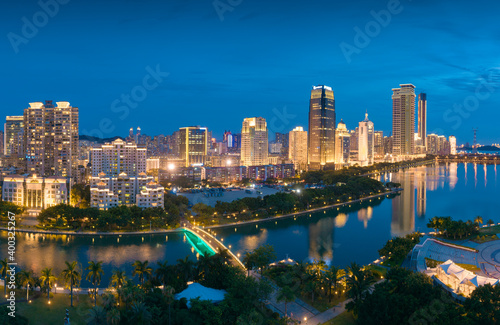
(489, 258)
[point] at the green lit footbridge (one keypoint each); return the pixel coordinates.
(206, 244)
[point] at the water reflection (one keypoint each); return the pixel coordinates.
(403, 205)
(453, 175)
(364, 215)
(321, 240)
(421, 181)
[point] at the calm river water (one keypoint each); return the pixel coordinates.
(338, 236)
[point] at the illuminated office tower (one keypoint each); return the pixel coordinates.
(422, 118)
(193, 145)
(378, 139)
(403, 120)
(321, 141)
(453, 145)
(13, 135)
(342, 144)
(51, 139)
(254, 142)
(297, 150)
(366, 145)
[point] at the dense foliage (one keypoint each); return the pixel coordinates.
(342, 188)
(397, 248)
(66, 217)
(454, 229)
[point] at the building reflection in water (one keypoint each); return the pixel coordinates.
(485, 175)
(341, 220)
(465, 176)
(421, 181)
(321, 240)
(364, 215)
(453, 175)
(403, 205)
(475, 175)
(253, 241)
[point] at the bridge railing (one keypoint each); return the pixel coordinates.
(217, 241)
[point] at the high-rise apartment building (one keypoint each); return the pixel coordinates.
(342, 144)
(119, 177)
(51, 139)
(13, 135)
(378, 139)
(254, 142)
(422, 118)
(403, 120)
(366, 144)
(453, 145)
(193, 145)
(297, 149)
(321, 141)
(284, 140)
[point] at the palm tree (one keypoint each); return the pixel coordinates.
(108, 301)
(478, 220)
(169, 295)
(113, 316)
(118, 279)
(162, 273)
(47, 279)
(490, 222)
(142, 270)
(4, 267)
(141, 314)
(96, 316)
(71, 275)
(286, 295)
(27, 279)
(185, 267)
(358, 282)
(94, 276)
(334, 275)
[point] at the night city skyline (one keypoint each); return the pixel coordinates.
(252, 59)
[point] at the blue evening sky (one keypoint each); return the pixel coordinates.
(260, 59)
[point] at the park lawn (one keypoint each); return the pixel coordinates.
(377, 270)
(489, 230)
(486, 237)
(40, 312)
(346, 318)
(469, 267)
(321, 303)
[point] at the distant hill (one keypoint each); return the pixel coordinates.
(98, 140)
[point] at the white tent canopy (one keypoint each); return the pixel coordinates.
(196, 290)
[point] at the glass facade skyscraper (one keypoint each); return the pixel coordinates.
(321, 140)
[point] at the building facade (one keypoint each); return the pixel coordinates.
(51, 139)
(321, 141)
(35, 193)
(254, 142)
(193, 145)
(342, 144)
(403, 120)
(297, 150)
(366, 143)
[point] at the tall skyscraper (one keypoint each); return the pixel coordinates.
(453, 145)
(193, 145)
(403, 120)
(13, 135)
(297, 150)
(422, 118)
(254, 142)
(378, 139)
(51, 139)
(284, 140)
(366, 143)
(342, 144)
(321, 141)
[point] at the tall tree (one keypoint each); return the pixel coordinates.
(142, 270)
(94, 276)
(47, 279)
(285, 295)
(71, 277)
